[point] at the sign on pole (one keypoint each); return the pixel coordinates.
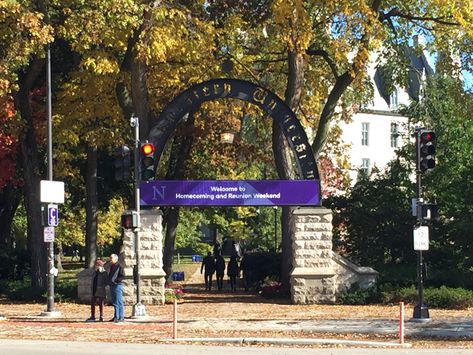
(52, 215)
(52, 191)
(48, 234)
(421, 238)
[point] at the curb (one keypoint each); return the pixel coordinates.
(291, 341)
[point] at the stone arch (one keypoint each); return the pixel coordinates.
(192, 98)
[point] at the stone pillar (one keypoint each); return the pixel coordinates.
(151, 263)
(313, 276)
(151, 259)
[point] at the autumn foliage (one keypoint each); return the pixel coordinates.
(8, 143)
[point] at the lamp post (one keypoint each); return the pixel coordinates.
(50, 308)
(275, 208)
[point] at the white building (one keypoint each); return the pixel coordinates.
(377, 130)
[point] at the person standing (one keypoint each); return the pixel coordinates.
(245, 266)
(115, 280)
(220, 270)
(208, 264)
(99, 282)
(233, 271)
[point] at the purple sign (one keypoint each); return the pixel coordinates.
(230, 193)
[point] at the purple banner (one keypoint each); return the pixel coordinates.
(230, 193)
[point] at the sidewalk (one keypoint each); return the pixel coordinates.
(223, 316)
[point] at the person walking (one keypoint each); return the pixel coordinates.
(208, 264)
(246, 266)
(233, 271)
(99, 282)
(115, 280)
(220, 270)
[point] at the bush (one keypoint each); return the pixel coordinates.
(271, 288)
(359, 296)
(443, 297)
(20, 290)
(264, 265)
(15, 264)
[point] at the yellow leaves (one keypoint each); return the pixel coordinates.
(101, 63)
(22, 34)
(292, 19)
(109, 222)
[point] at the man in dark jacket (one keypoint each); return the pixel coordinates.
(115, 279)
(209, 265)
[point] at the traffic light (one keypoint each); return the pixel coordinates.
(130, 220)
(425, 150)
(122, 163)
(147, 161)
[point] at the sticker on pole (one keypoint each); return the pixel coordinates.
(48, 234)
(421, 238)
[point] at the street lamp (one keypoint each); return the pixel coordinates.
(275, 208)
(227, 137)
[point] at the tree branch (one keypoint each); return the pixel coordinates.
(324, 54)
(395, 12)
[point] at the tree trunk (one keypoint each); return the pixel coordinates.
(172, 219)
(9, 200)
(179, 154)
(284, 165)
(32, 176)
(58, 255)
(91, 207)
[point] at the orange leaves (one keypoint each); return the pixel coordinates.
(8, 142)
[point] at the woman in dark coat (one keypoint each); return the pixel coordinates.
(233, 271)
(99, 281)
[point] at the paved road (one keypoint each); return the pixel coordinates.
(28, 347)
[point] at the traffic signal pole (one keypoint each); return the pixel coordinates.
(421, 311)
(138, 308)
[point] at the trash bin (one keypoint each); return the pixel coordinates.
(196, 258)
(178, 276)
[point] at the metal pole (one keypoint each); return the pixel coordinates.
(138, 309)
(275, 228)
(421, 311)
(50, 300)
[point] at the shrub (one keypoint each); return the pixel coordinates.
(173, 293)
(20, 290)
(15, 264)
(359, 296)
(271, 288)
(443, 297)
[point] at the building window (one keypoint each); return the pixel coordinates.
(394, 99)
(394, 134)
(365, 166)
(364, 133)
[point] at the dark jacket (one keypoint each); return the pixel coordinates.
(232, 268)
(220, 265)
(209, 264)
(115, 275)
(99, 281)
